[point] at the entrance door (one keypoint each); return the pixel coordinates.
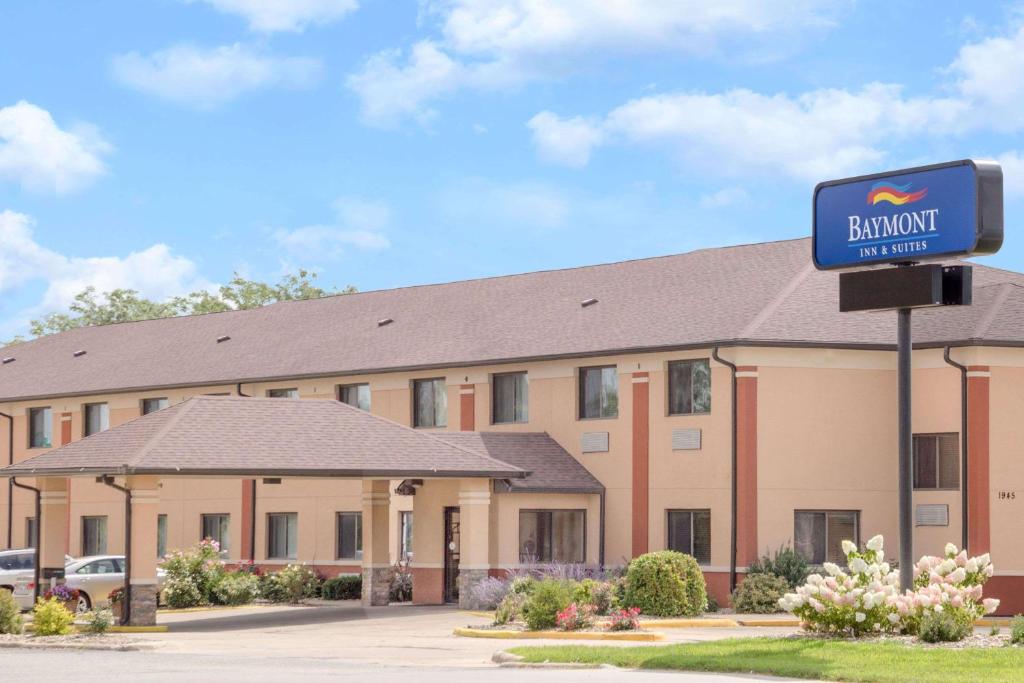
(451, 554)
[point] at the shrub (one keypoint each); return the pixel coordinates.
(713, 605)
(346, 587)
(181, 592)
(575, 617)
(666, 584)
(625, 620)
(598, 594)
(522, 585)
(10, 614)
(98, 621)
(786, 563)
(401, 584)
(237, 588)
(1017, 630)
(294, 583)
(510, 608)
(947, 626)
(549, 597)
(759, 594)
(199, 566)
(52, 618)
(489, 592)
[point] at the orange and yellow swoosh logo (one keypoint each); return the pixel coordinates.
(885, 191)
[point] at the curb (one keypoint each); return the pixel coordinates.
(507, 660)
(781, 623)
(139, 629)
(647, 636)
(693, 623)
(104, 647)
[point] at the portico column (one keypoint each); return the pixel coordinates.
(145, 504)
(376, 548)
(53, 498)
(474, 537)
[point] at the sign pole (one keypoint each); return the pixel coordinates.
(906, 445)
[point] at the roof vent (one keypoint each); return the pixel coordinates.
(80, 352)
(588, 302)
(9, 359)
(223, 338)
(385, 321)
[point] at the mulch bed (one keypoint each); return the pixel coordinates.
(976, 640)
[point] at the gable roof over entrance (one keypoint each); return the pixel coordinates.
(233, 436)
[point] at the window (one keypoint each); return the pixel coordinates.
(151, 405)
(217, 528)
(282, 535)
(161, 536)
(430, 403)
(599, 392)
(282, 393)
(40, 428)
(552, 535)
(689, 387)
(689, 531)
(104, 566)
(31, 532)
(94, 536)
(356, 395)
(97, 418)
(14, 561)
(937, 461)
(350, 536)
(820, 535)
(405, 536)
(510, 398)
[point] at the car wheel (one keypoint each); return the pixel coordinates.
(83, 603)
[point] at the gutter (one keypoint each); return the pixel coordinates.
(39, 535)
(10, 481)
(252, 490)
(600, 538)
(733, 529)
(126, 607)
(963, 444)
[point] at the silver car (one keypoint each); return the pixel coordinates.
(93, 577)
(16, 565)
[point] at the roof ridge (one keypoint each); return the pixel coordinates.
(773, 305)
(182, 409)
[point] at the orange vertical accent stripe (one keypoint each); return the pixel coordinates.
(746, 468)
(979, 512)
(467, 408)
(641, 464)
(248, 519)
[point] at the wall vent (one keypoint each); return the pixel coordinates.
(932, 515)
(595, 442)
(686, 439)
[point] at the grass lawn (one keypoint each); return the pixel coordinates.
(803, 658)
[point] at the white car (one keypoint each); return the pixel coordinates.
(93, 577)
(15, 565)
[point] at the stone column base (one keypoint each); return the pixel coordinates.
(143, 605)
(376, 586)
(467, 579)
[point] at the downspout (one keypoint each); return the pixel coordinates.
(601, 524)
(10, 480)
(39, 536)
(126, 607)
(733, 531)
(963, 444)
(252, 484)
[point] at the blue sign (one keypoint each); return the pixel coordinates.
(919, 214)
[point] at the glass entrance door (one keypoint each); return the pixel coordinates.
(451, 554)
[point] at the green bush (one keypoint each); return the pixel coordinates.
(10, 614)
(598, 594)
(52, 618)
(199, 566)
(785, 562)
(294, 583)
(948, 626)
(510, 608)
(713, 605)
(549, 597)
(759, 594)
(1017, 630)
(666, 584)
(237, 588)
(346, 587)
(181, 592)
(98, 621)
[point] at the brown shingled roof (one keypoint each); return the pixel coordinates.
(214, 435)
(753, 295)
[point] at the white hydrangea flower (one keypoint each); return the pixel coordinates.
(860, 617)
(832, 568)
(951, 549)
(849, 547)
(875, 543)
(858, 565)
(971, 566)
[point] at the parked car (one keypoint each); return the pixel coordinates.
(93, 577)
(18, 567)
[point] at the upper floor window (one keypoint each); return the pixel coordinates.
(689, 532)
(819, 535)
(151, 405)
(937, 461)
(282, 393)
(430, 403)
(356, 395)
(689, 387)
(599, 392)
(97, 418)
(40, 428)
(510, 398)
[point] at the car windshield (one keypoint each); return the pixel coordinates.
(16, 561)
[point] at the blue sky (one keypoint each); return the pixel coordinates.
(163, 144)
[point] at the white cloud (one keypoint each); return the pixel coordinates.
(1013, 173)
(154, 272)
(360, 224)
(518, 205)
(284, 15)
(727, 196)
(42, 157)
(207, 78)
(564, 141)
(990, 74)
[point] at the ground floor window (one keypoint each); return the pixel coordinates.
(405, 536)
(216, 527)
(282, 535)
(31, 532)
(552, 535)
(94, 535)
(937, 461)
(819, 534)
(350, 536)
(689, 531)
(161, 535)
